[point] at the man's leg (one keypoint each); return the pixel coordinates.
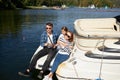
(40, 54)
(51, 55)
(32, 64)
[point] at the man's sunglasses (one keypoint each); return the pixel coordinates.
(48, 28)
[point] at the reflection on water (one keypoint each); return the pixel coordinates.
(20, 33)
(9, 23)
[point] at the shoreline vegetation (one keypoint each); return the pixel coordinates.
(63, 7)
(45, 7)
(56, 4)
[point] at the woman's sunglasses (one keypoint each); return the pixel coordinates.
(68, 36)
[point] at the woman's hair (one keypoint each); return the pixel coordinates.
(71, 37)
(64, 28)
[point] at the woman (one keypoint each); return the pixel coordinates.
(61, 38)
(63, 53)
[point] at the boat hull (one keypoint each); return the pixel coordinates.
(81, 67)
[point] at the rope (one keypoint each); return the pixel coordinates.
(101, 61)
(75, 68)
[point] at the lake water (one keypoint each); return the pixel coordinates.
(20, 32)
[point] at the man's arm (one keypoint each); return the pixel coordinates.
(43, 39)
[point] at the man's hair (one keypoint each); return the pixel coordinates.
(49, 24)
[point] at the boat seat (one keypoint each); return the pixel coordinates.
(92, 32)
(97, 28)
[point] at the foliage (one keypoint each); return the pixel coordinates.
(13, 4)
(81, 3)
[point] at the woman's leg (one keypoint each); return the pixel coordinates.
(59, 59)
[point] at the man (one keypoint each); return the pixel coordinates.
(48, 40)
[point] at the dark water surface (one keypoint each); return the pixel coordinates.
(20, 34)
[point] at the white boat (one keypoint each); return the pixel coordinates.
(96, 53)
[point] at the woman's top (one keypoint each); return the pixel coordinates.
(64, 49)
(62, 39)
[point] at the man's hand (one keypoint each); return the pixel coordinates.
(49, 44)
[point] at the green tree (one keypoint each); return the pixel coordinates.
(13, 4)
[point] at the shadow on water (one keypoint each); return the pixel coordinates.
(35, 73)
